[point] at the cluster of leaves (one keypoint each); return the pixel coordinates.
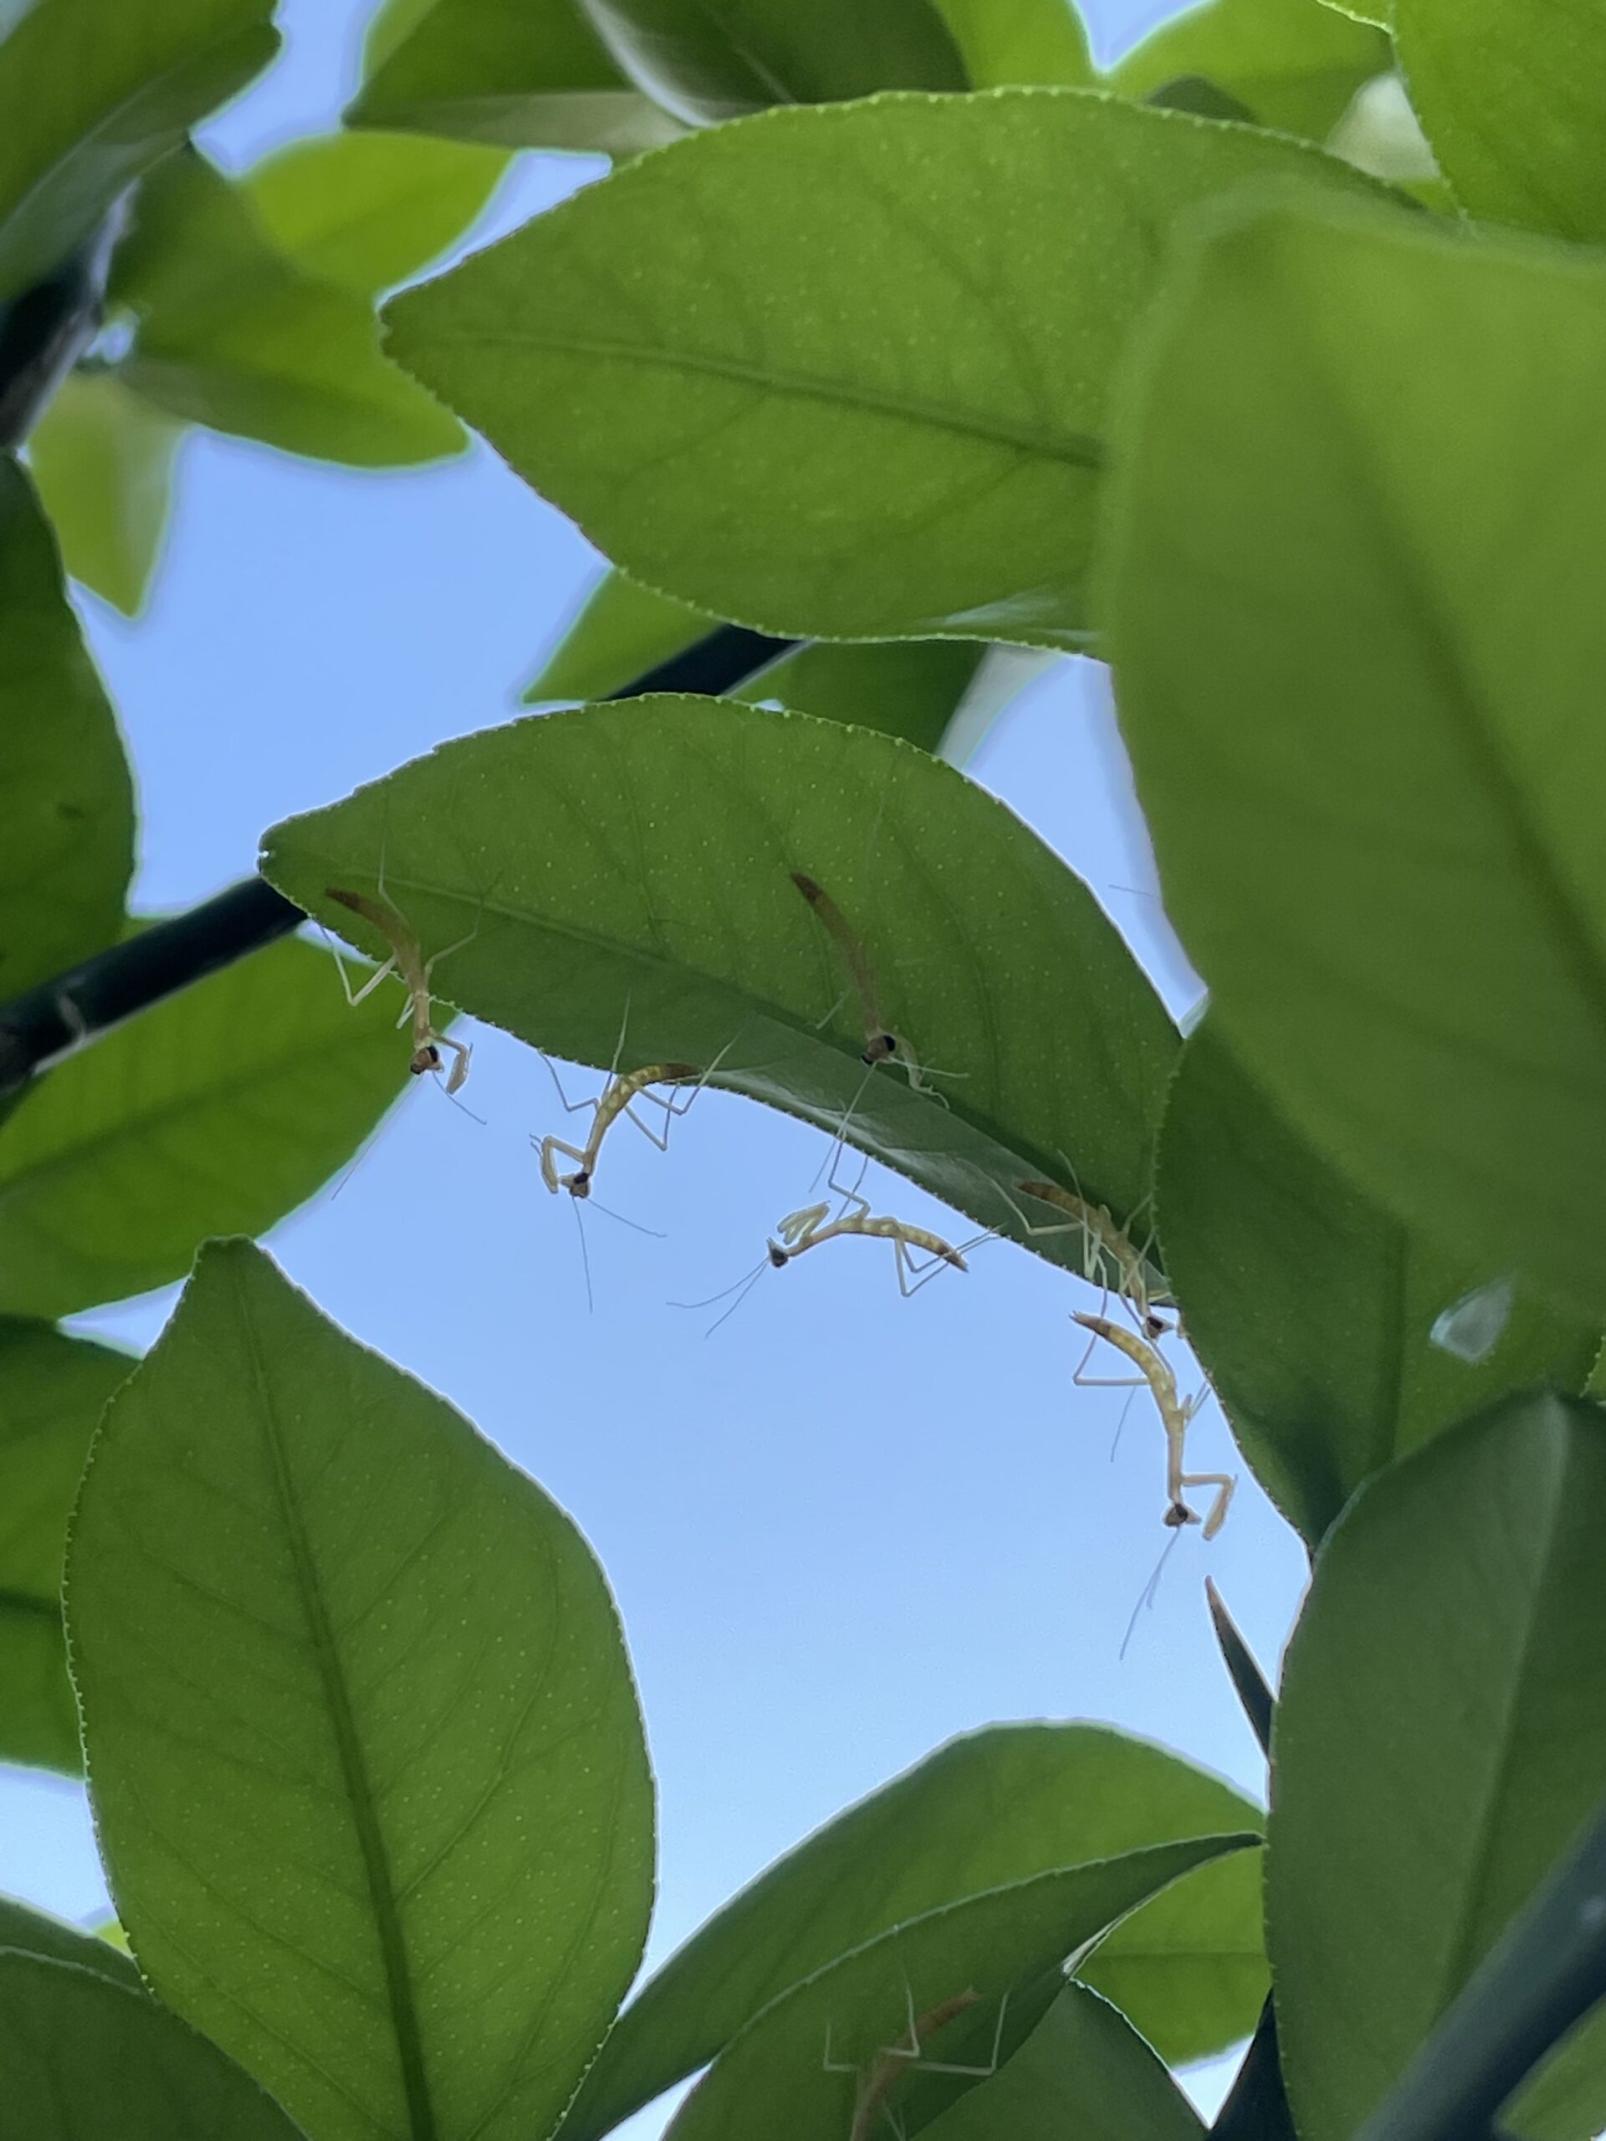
(915, 336)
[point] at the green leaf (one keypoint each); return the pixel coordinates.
(1249, 1683)
(68, 797)
(1343, 420)
(52, 1392)
(218, 1110)
(92, 97)
(637, 858)
(1189, 1968)
(1256, 2107)
(1295, 64)
(368, 211)
(367, 1764)
(1007, 42)
(1084, 2071)
(996, 1808)
(775, 2078)
(936, 480)
(620, 631)
(706, 61)
(103, 462)
(89, 2060)
(34, 1932)
(233, 334)
(1313, 1308)
(912, 688)
(523, 74)
(1510, 99)
(1440, 1737)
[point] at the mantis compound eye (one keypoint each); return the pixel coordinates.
(427, 1058)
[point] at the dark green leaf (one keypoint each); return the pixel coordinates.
(940, 478)
(1294, 64)
(1441, 1736)
(52, 1391)
(1006, 42)
(987, 1811)
(1256, 2108)
(1083, 2072)
(103, 461)
(220, 1109)
(621, 631)
(638, 858)
(88, 2060)
(233, 334)
(32, 1932)
(1343, 420)
(795, 2073)
(1315, 1309)
(705, 61)
(368, 211)
(92, 97)
(1510, 99)
(68, 801)
(523, 74)
(1249, 1682)
(366, 1759)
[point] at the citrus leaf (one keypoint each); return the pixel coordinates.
(365, 1754)
(1016, 42)
(1294, 64)
(103, 462)
(1343, 419)
(940, 480)
(34, 1932)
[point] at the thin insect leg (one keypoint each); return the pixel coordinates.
(941, 2066)
(839, 1139)
(820, 1024)
(835, 2066)
(908, 1269)
(660, 1138)
(1225, 1486)
(1149, 1593)
(841, 1189)
(570, 1107)
(361, 994)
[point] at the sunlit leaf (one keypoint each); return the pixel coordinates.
(1007, 42)
(1292, 63)
(103, 461)
(367, 1764)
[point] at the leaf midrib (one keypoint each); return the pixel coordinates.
(349, 1751)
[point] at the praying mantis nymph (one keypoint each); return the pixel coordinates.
(808, 1228)
(881, 1043)
(1099, 1233)
(407, 961)
(892, 2061)
(1175, 1416)
(615, 1100)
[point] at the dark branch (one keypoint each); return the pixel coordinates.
(715, 664)
(45, 330)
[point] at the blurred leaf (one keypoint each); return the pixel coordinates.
(1083, 2072)
(1346, 421)
(705, 61)
(523, 74)
(1380, 133)
(998, 1807)
(68, 802)
(88, 2060)
(1510, 99)
(103, 462)
(34, 1932)
(939, 479)
(638, 857)
(1441, 1736)
(234, 335)
(1294, 64)
(367, 1765)
(369, 211)
(620, 631)
(92, 97)
(1312, 1308)
(774, 2078)
(912, 688)
(218, 1110)
(1021, 41)
(52, 1391)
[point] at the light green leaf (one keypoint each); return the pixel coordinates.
(1376, 12)
(912, 688)
(940, 479)
(68, 801)
(1313, 1308)
(103, 461)
(796, 2072)
(34, 1932)
(1083, 2071)
(1510, 99)
(367, 1764)
(92, 97)
(1345, 422)
(522, 74)
(1295, 64)
(369, 211)
(1189, 1968)
(706, 61)
(234, 335)
(52, 1391)
(640, 855)
(998, 1807)
(1007, 42)
(88, 2060)
(1440, 1737)
(219, 1110)
(620, 632)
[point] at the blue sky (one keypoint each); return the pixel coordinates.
(848, 1526)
